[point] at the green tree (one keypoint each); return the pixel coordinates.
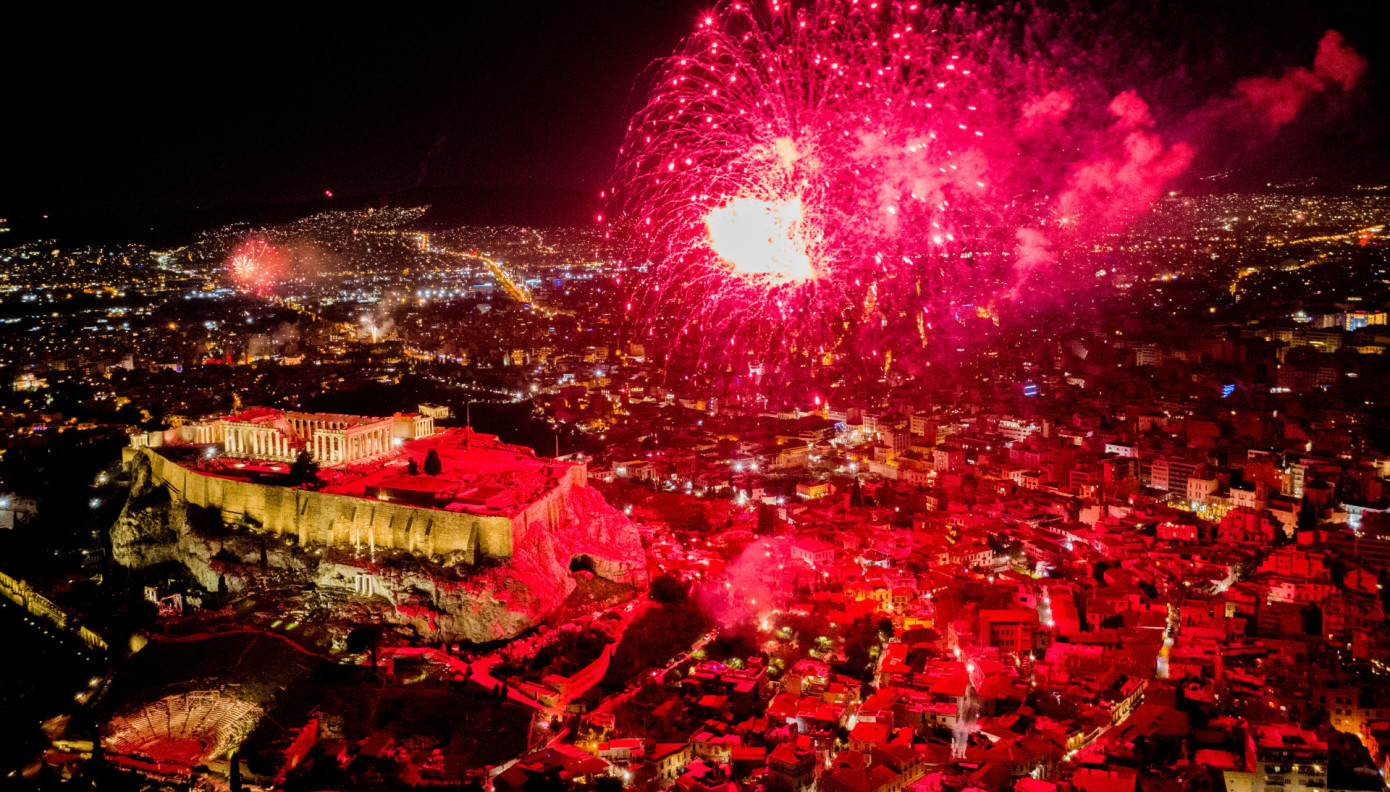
(412, 469)
(652, 640)
(862, 643)
(304, 470)
(1307, 519)
(365, 638)
(1098, 571)
(766, 519)
(682, 513)
(433, 464)
(698, 520)
(885, 627)
(667, 588)
(1337, 570)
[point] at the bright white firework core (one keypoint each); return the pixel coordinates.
(761, 239)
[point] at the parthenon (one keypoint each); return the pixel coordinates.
(330, 439)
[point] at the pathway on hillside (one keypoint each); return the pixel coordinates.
(480, 669)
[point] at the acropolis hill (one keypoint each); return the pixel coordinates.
(215, 496)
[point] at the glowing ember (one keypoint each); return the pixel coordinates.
(761, 239)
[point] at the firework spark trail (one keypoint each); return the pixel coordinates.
(800, 168)
(264, 264)
(784, 153)
(255, 266)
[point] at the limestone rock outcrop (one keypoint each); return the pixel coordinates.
(442, 599)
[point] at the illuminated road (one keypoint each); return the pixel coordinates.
(1358, 234)
(513, 286)
(1362, 235)
(479, 669)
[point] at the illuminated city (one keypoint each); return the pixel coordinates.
(824, 396)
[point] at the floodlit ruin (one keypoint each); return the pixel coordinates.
(240, 502)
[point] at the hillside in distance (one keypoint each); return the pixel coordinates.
(450, 207)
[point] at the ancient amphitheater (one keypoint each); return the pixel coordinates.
(175, 734)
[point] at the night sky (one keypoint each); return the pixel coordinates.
(121, 112)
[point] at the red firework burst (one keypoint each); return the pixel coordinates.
(255, 266)
(801, 168)
(789, 158)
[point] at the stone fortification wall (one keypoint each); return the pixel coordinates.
(25, 597)
(171, 511)
(343, 520)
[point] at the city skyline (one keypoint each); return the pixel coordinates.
(809, 396)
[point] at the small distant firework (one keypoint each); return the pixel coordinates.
(255, 266)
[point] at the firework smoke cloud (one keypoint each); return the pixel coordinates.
(801, 169)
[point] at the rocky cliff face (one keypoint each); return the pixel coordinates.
(148, 528)
(440, 601)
